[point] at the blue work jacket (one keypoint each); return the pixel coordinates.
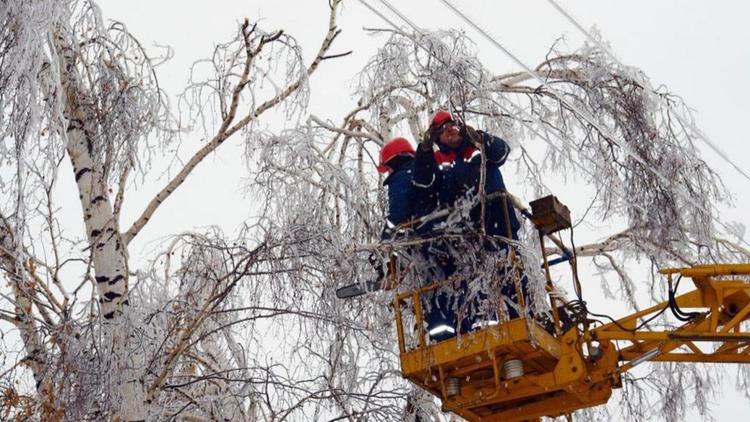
(449, 174)
(400, 195)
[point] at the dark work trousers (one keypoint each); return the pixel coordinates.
(440, 304)
(460, 307)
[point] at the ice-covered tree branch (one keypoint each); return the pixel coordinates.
(252, 48)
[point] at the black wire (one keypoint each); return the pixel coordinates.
(679, 313)
(631, 330)
(672, 305)
(582, 303)
(576, 310)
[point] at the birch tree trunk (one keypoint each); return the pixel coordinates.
(35, 354)
(108, 254)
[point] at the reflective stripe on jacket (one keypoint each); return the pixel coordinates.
(450, 174)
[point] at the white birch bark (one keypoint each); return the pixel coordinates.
(109, 256)
(35, 354)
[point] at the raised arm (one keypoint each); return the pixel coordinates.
(425, 168)
(496, 148)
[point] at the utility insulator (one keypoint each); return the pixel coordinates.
(549, 215)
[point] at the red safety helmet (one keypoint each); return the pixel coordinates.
(393, 148)
(440, 117)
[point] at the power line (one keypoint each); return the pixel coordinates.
(604, 48)
(583, 114)
(517, 108)
(560, 97)
(587, 117)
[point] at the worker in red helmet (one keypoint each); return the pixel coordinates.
(448, 161)
(449, 157)
(396, 160)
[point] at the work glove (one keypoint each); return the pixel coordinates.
(475, 138)
(428, 139)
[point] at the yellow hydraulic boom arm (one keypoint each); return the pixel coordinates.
(517, 370)
(725, 304)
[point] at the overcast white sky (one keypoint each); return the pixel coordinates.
(697, 48)
(692, 47)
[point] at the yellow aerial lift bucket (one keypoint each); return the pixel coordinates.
(511, 371)
(516, 370)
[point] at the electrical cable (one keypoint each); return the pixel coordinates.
(633, 330)
(574, 267)
(516, 108)
(625, 148)
(678, 313)
(604, 48)
(576, 307)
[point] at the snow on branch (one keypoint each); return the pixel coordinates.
(236, 72)
(622, 136)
